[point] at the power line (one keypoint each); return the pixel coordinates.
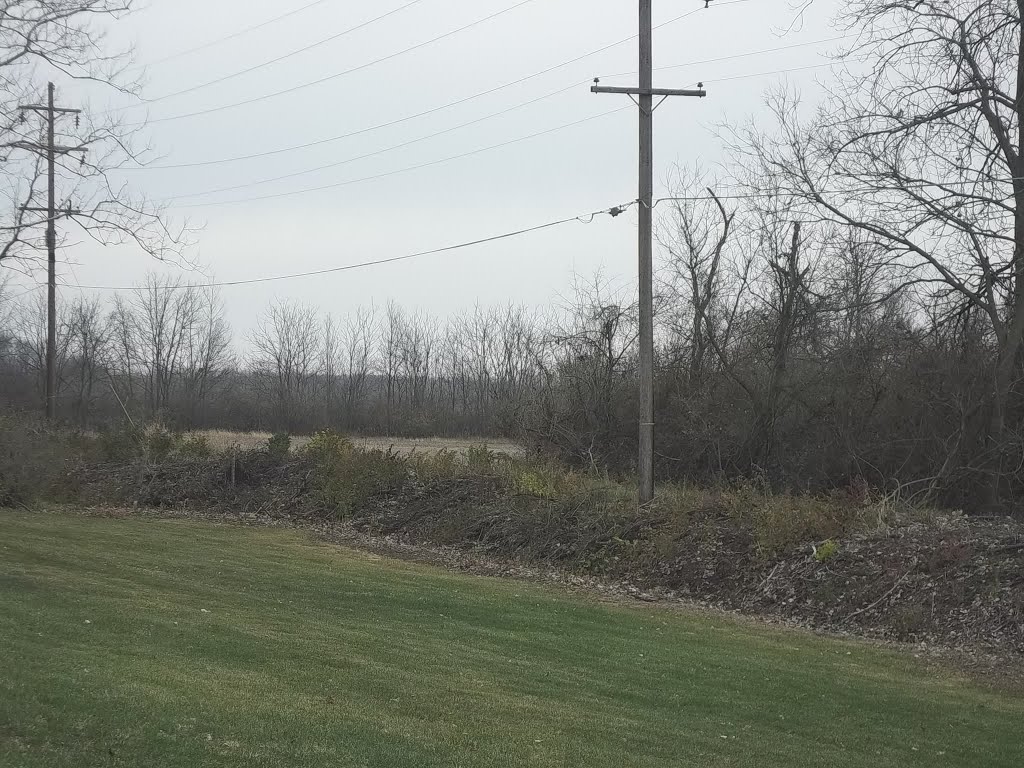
(585, 218)
(343, 73)
(398, 121)
(234, 35)
(378, 152)
(739, 55)
(270, 62)
(782, 71)
(445, 131)
(427, 137)
(430, 164)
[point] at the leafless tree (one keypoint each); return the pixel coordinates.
(417, 333)
(922, 154)
(30, 325)
(67, 40)
(287, 352)
(206, 358)
(170, 344)
(329, 368)
(694, 237)
(7, 311)
(162, 321)
(358, 336)
(588, 391)
(391, 360)
(89, 339)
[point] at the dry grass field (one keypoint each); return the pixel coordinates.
(223, 440)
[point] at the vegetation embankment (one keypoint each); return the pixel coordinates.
(842, 562)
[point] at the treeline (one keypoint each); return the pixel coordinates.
(787, 358)
(165, 352)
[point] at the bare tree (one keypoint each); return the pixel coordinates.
(30, 329)
(694, 237)
(206, 357)
(391, 360)
(7, 311)
(357, 344)
(163, 315)
(287, 352)
(923, 155)
(66, 40)
(88, 334)
(329, 368)
(594, 356)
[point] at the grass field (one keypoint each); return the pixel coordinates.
(141, 642)
(222, 440)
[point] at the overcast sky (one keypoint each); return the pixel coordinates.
(566, 172)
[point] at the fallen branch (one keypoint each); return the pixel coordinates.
(769, 578)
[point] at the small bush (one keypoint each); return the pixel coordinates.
(545, 481)
(436, 467)
(827, 551)
(194, 446)
(123, 443)
(346, 478)
(155, 444)
(783, 521)
(279, 445)
(480, 459)
(160, 442)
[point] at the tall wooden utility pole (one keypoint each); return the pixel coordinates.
(645, 94)
(50, 150)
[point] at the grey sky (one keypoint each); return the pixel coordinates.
(571, 171)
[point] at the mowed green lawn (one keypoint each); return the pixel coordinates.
(169, 643)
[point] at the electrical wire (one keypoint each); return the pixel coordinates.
(235, 35)
(445, 131)
(336, 75)
(783, 71)
(734, 56)
(270, 62)
(429, 164)
(584, 218)
(379, 152)
(404, 119)
(436, 134)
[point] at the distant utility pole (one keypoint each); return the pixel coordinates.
(50, 149)
(645, 100)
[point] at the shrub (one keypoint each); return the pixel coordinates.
(122, 443)
(279, 445)
(827, 551)
(346, 478)
(435, 467)
(194, 446)
(783, 521)
(480, 459)
(545, 480)
(159, 442)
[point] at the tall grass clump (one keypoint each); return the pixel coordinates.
(346, 478)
